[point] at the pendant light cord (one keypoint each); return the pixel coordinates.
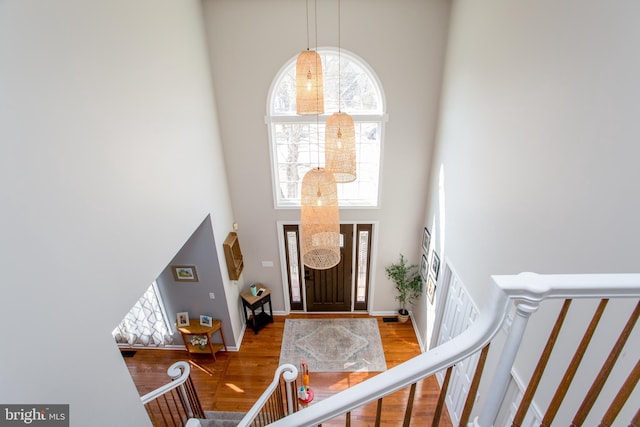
(315, 4)
(307, 5)
(339, 65)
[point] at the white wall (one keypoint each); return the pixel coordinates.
(403, 41)
(111, 159)
(538, 142)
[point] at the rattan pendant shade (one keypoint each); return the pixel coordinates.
(309, 86)
(340, 147)
(319, 220)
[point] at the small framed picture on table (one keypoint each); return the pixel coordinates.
(183, 318)
(206, 320)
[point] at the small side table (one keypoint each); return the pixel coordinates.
(257, 321)
(195, 328)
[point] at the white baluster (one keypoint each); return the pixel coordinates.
(502, 376)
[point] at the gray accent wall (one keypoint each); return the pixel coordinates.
(193, 297)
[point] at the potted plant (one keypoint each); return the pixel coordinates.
(408, 284)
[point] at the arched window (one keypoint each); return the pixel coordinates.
(297, 142)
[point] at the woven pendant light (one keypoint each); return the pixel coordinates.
(309, 86)
(319, 220)
(340, 136)
(340, 147)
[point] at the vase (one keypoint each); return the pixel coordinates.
(201, 346)
(402, 318)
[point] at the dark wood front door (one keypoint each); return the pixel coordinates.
(330, 290)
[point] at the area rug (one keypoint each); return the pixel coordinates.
(333, 345)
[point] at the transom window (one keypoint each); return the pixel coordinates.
(297, 142)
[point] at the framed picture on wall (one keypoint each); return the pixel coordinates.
(206, 320)
(426, 238)
(424, 268)
(184, 273)
(431, 289)
(435, 265)
(182, 318)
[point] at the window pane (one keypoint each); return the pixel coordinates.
(298, 141)
(294, 276)
(363, 268)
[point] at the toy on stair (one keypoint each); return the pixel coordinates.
(305, 394)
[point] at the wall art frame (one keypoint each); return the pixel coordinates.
(184, 273)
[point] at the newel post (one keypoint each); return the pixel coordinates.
(502, 376)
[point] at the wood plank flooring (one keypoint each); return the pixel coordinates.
(235, 380)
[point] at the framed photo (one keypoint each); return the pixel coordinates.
(426, 238)
(424, 268)
(184, 273)
(183, 318)
(206, 320)
(431, 289)
(435, 265)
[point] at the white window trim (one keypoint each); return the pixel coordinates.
(270, 120)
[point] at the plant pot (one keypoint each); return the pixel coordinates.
(403, 316)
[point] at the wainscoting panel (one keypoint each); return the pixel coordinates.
(459, 313)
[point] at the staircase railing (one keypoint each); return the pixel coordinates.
(278, 400)
(176, 402)
(526, 291)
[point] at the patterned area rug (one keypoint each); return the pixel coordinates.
(333, 345)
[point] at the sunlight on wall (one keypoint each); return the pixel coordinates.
(442, 217)
(438, 226)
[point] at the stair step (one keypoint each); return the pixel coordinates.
(221, 419)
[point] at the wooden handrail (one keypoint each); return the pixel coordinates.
(289, 374)
(441, 398)
(608, 365)
(178, 372)
(473, 389)
(622, 396)
(540, 367)
(177, 401)
(526, 289)
(571, 370)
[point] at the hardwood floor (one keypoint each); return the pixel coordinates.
(235, 380)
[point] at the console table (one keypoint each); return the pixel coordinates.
(195, 328)
(251, 302)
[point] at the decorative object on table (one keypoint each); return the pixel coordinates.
(435, 265)
(254, 289)
(424, 268)
(305, 394)
(195, 329)
(184, 273)
(333, 345)
(183, 318)
(205, 320)
(431, 290)
(408, 285)
(257, 319)
(199, 340)
(426, 238)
